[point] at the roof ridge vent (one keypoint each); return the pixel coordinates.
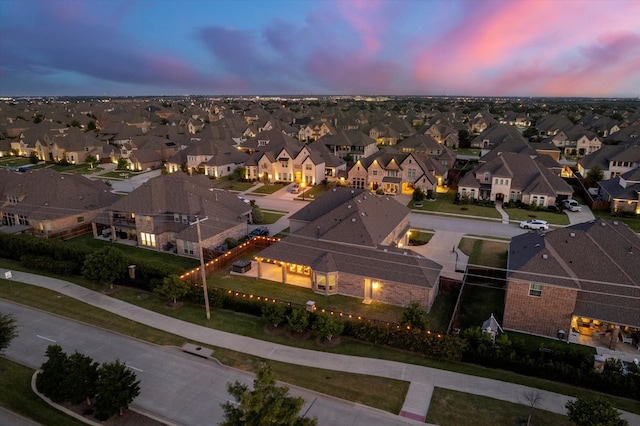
(353, 219)
(573, 234)
(545, 257)
(349, 206)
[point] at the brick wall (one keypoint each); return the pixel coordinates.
(387, 292)
(543, 315)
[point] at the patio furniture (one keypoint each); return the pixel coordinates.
(627, 339)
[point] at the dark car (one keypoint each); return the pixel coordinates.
(261, 231)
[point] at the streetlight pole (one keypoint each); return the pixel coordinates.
(202, 271)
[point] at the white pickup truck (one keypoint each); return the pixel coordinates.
(572, 205)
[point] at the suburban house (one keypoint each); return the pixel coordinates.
(518, 119)
(315, 130)
(576, 140)
(515, 177)
(211, 157)
(276, 157)
(396, 172)
(47, 202)
(159, 213)
(496, 135)
(622, 192)
(580, 280)
(352, 242)
(352, 143)
(552, 124)
(614, 160)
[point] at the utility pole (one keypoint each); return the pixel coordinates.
(202, 271)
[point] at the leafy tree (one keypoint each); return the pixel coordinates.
(298, 320)
(7, 330)
(594, 412)
(463, 136)
(266, 404)
(116, 388)
(595, 175)
(415, 316)
(173, 287)
(105, 265)
(326, 326)
(123, 164)
(53, 373)
(33, 157)
(418, 194)
(274, 313)
(75, 123)
(81, 377)
(91, 161)
(91, 126)
(257, 215)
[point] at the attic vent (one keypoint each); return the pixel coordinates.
(573, 234)
(603, 224)
(405, 253)
(615, 222)
(363, 214)
(385, 250)
(359, 201)
(349, 206)
(545, 257)
(364, 197)
(537, 245)
(353, 220)
(386, 198)
(353, 192)
(334, 190)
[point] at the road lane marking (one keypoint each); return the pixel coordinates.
(45, 338)
(133, 368)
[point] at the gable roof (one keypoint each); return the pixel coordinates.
(600, 259)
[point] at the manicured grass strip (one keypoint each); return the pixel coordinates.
(16, 395)
(492, 254)
(551, 217)
(268, 189)
(444, 204)
(232, 185)
(451, 408)
(269, 218)
(341, 385)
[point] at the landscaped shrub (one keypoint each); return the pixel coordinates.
(274, 313)
(47, 263)
(298, 320)
(149, 274)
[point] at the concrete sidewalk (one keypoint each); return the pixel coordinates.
(423, 379)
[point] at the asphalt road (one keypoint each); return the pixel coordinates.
(181, 388)
(465, 226)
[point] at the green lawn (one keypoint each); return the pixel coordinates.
(313, 192)
(232, 185)
(444, 204)
(468, 151)
(421, 236)
(492, 254)
(14, 161)
(478, 303)
(452, 408)
(119, 174)
(16, 395)
(441, 311)
(270, 217)
(136, 253)
(82, 169)
(551, 217)
(268, 189)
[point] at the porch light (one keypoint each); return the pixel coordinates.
(375, 285)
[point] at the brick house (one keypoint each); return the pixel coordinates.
(48, 202)
(157, 215)
(582, 279)
(353, 243)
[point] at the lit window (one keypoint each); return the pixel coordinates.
(535, 290)
(148, 239)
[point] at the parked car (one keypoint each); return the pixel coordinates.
(572, 205)
(261, 231)
(295, 188)
(534, 224)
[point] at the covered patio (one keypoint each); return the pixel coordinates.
(609, 340)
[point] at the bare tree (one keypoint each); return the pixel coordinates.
(533, 397)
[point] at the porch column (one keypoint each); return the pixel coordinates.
(614, 338)
(284, 273)
(259, 269)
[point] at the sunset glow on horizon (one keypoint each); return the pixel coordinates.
(320, 47)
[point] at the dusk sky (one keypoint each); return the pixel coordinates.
(320, 47)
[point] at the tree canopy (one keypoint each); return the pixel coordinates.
(116, 388)
(266, 404)
(415, 316)
(105, 265)
(7, 330)
(594, 412)
(173, 287)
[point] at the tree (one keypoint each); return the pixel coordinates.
(123, 164)
(105, 265)
(7, 330)
(326, 326)
(593, 412)
(418, 194)
(533, 397)
(116, 388)
(415, 316)
(274, 313)
(265, 404)
(91, 126)
(91, 161)
(298, 320)
(463, 136)
(257, 216)
(52, 374)
(33, 157)
(75, 123)
(80, 379)
(173, 287)
(595, 175)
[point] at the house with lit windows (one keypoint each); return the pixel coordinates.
(158, 215)
(68, 202)
(396, 172)
(514, 177)
(580, 283)
(354, 243)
